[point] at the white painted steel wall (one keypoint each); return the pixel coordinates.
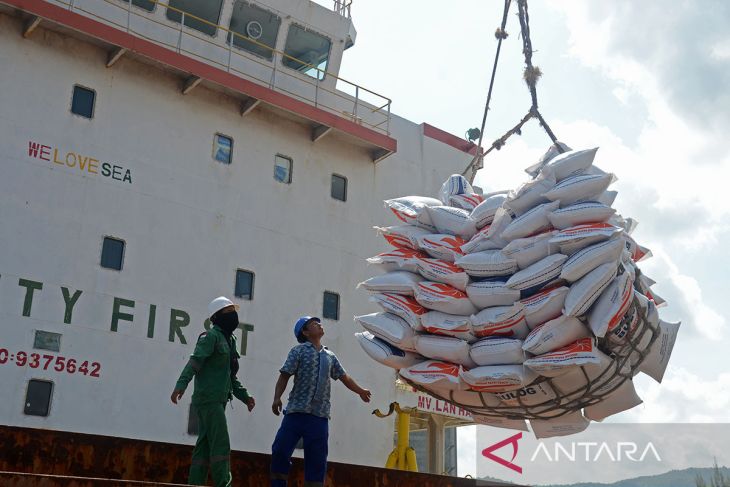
(189, 222)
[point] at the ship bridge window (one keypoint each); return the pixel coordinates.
(339, 187)
(244, 284)
(199, 15)
(82, 102)
(257, 29)
(283, 168)
(46, 340)
(331, 306)
(223, 148)
(148, 5)
(112, 253)
(38, 397)
(306, 51)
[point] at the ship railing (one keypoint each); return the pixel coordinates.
(342, 7)
(316, 86)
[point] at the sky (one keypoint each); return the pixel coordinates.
(647, 82)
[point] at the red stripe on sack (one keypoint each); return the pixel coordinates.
(616, 319)
(399, 215)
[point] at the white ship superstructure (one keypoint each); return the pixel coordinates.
(152, 161)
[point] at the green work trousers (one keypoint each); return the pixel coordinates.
(213, 449)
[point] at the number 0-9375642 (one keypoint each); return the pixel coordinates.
(46, 361)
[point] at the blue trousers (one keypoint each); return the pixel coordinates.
(315, 432)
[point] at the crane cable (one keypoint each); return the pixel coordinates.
(531, 74)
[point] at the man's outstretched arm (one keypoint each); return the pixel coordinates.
(354, 387)
(281, 383)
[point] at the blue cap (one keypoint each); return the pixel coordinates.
(300, 324)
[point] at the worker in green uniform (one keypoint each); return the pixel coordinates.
(214, 364)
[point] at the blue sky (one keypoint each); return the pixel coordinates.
(647, 83)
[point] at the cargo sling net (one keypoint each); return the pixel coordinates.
(519, 305)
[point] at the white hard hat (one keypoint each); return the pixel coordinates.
(218, 304)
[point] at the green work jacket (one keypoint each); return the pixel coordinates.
(210, 364)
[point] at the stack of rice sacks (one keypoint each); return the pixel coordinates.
(519, 305)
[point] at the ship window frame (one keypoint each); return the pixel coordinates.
(332, 187)
(252, 274)
(230, 39)
(216, 136)
(290, 171)
(154, 5)
(173, 19)
(93, 101)
(27, 410)
(124, 252)
(337, 306)
(320, 71)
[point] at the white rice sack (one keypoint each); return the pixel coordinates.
(534, 221)
(636, 325)
(403, 236)
(577, 354)
(404, 306)
(598, 378)
(484, 213)
(412, 210)
(643, 283)
(607, 197)
(627, 224)
(565, 425)
(473, 399)
(544, 306)
(611, 307)
(391, 328)
(491, 292)
(442, 271)
(441, 246)
(655, 364)
(397, 282)
(584, 292)
(467, 201)
(489, 237)
(580, 188)
(573, 239)
(385, 353)
(638, 253)
(528, 250)
(446, 348)
(530, 194)
(440, 323)
(501, 321)
(555, 334)
(622, 399)
(497, 378)
(553, 151)
(580, 213)
(487, 263)
(497, 351)
(531, 395)
(399, 259)
(456, 184)
(500, 422)
(433, 373)
(582, 262)
(538, 274)
(569, 164)
(442, 297)
(453, 221)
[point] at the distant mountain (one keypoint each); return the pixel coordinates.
(675, 478)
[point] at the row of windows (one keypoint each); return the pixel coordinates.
(112, 257)
(256, 31)
(83, 101)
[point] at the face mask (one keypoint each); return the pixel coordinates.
(227, 322)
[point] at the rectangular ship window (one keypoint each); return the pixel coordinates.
(282, 169)
(148, 5)
(82, 101)
(38, 397)
(223, 148)
(45, 340)
(331, 306)
(339, 187)
(306, 51)
(112, 253)
(257, 29)
(199, 15)
(244, 284)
